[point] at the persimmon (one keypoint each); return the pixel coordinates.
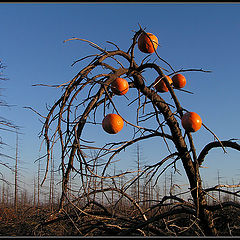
(179, 81)
(112, 123)
(145, 44)
(120, 86)
(161, 86)
(191, 122)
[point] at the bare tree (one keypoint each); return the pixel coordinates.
(5, 125)
(67, 118)
(38, 183)
(16, 176)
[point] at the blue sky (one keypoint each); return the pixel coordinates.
(196, 36)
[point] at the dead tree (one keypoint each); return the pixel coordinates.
(16, 177)
(67, 118)
(5, 125)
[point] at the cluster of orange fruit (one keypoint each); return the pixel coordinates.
(148, 43)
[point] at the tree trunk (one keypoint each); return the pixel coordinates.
(191, 168)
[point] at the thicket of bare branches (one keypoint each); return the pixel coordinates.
(86, 99)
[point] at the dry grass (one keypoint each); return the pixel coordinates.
(32, 222)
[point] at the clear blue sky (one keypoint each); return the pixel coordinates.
(191, 36)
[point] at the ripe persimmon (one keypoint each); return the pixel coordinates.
(112, 123)
(191, 122)
(161, 86)
(145, 44)
(179, 81)
(120, 86)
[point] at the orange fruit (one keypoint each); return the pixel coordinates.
(179, 81)
(161, 86)
(144, 43)
(191, 122)
(112, 123)
(120, 86)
